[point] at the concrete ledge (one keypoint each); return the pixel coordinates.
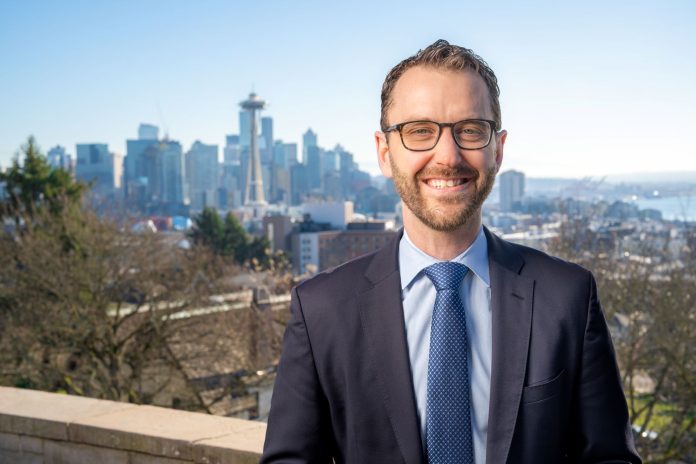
(51, 428)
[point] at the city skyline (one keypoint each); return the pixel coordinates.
(587, 89)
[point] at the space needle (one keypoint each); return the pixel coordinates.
(254, 198)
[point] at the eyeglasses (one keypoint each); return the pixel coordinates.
(469, 134)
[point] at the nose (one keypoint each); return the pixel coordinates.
(447, 152)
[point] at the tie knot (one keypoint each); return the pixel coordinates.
(446, 274)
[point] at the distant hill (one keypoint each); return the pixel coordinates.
(545, 185)
(654, 177)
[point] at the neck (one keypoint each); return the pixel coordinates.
(442, 245)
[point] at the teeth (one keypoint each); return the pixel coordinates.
(442, 183)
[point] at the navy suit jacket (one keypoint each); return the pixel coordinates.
(344, 391)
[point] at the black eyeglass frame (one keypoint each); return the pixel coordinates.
(397, 127)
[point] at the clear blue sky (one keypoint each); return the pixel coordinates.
(588, 88)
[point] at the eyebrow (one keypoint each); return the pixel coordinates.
(425, 118)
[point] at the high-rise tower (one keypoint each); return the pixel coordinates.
(253, 195)
(511, 190)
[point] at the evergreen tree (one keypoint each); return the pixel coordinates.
(259, 253)
(225, 238)
(208, 230)
(31, 183)
(235, 239)
(228, 238)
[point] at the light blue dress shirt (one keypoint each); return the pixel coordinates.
(418, 297)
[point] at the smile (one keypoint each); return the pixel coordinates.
(444, 183)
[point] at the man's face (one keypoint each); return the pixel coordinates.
(444, 187)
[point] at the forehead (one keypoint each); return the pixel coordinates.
(443, 95)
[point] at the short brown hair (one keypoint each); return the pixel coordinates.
(444, 56)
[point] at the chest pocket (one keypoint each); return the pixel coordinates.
(543, 390)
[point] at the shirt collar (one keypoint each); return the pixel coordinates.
(412, 260)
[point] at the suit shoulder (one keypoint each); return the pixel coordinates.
(539, 261)
(567, 284)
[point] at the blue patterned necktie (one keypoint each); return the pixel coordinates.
(448, 409)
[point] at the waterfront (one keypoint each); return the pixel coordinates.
(680, 208)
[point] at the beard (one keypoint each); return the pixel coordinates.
(464, 204)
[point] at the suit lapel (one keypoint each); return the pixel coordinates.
(511, 308)
(382, 319)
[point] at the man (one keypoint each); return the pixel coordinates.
(449, 345)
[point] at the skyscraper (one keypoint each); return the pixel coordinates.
(299, 185)
(347, 168)
(511, 190)
(284, 157)
(314, 167)
(142, 168)
(58, 158)
(148, 132)
(232, 149)
(254, 194)
(331, 160)
(232, 176)
(173, 190)
(309, 139)
(203, 173)
(290, 154)
(95, 164)
(266, 147)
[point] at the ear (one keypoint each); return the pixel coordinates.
(500, 138)
(383, 154)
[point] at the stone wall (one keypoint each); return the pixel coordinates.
(48, 428)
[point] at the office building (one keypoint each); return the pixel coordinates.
(330, 162)
(277, 229)
(266, 142)
(284, 154)
(281, 188)
(142, 171)
(316, 251)
(232, 151)
(299, 184)
(59, 159)
(232, 175)
(95, 165)
(314, 167)
(118, 170)
(173, 191)
(347, 167)
(148, 132)
(309, 139)
(336, 213)
(203, 175)
(511, 190)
